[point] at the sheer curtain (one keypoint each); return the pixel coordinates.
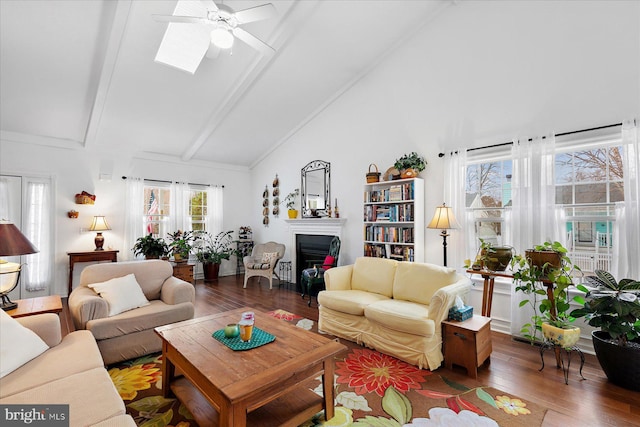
(214, 210)
(180, 200)
(133, 222)
(533, 196)
(627, 226)
(454, 196)
(38, 229)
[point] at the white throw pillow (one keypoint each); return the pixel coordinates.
(121, 293)
(18, 344)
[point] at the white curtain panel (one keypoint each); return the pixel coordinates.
(37, 272)
(535, 218)
(214, 210)
(134, 218)
(454, 196)
(180, 199)
(626, 247)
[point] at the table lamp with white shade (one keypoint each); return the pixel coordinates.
(12, 243)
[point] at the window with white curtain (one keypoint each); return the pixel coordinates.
(160, 208)
(27, 201)
(588, 178)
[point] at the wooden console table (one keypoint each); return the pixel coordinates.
(487, 295)
(487, 292)
(89, 257)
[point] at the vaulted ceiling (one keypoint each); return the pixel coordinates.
(81, 74)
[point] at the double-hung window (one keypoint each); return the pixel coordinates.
(156, 209)
(588, 181)
(488, 197)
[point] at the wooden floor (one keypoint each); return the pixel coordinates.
(513, 369)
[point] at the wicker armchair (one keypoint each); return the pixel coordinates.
(262, 262)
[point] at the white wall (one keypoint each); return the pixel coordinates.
(482, 73)
(78, 170)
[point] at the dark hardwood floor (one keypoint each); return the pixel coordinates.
(513, 369)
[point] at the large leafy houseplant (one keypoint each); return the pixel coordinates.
(149, 246)
(215, 249)
(211, 251)
(530, 279)
(614, 307)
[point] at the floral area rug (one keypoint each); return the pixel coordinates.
(372, 389)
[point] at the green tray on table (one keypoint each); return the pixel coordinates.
(258, 338)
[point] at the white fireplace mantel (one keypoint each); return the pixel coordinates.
(315, 226)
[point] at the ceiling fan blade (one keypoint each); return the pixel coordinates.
(257, 13)
(253, 41)
(181, 19)
(184, 46)
(209, 4)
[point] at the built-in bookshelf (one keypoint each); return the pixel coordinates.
(394, 219)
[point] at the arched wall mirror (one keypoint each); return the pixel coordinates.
(316, 188)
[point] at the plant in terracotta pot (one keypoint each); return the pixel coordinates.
(290, 201)
(151, 247)
(546, 288)
(614, 307)
(180, 245)
(410, 165)
(210, 251)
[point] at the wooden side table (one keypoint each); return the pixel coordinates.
(88, 257)
(38, 305)
(467, 343)
(183, 270)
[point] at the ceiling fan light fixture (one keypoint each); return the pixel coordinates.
(222, 38)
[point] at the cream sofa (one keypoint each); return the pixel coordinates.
(391, 306)
(69, 372)
(131, 334)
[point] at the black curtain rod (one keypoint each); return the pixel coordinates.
(171, 182)
(531, 139)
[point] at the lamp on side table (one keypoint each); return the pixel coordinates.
(12, 243)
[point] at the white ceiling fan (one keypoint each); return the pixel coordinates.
(199, 27)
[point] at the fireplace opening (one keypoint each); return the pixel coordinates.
(310, 247)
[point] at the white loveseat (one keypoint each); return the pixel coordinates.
(391, 306)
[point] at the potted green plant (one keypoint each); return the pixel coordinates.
(493, 258)
(212, 250)
(290, 201)
(410, 165)
(180, 245)
(614, 307)
(151, 247)
(546, 287)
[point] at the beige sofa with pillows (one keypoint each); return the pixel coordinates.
(38, 367)
(121, 303)
(395, 307)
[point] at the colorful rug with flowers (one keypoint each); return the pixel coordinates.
(372, 389)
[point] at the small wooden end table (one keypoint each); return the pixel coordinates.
(467, 343)
(38, 305)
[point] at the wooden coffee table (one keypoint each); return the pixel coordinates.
(37, 305)
(257, 387)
